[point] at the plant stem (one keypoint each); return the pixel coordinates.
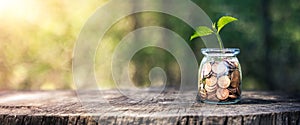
(220, 41)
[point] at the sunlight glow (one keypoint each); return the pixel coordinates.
(19, 10)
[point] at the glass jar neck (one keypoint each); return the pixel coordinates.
(220, 52)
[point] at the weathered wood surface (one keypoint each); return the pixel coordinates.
(111, 107)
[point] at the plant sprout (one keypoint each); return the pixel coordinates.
(216, 28)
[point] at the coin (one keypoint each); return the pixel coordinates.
(224, 82)
(235, 79)
(206, 69)
(219, 68)
(211, 81)
(236, 64)
(230, 64)
(203, 94)
(211, 88)
(222, 94)
(232, 90)
(232, 96)
(235, 76)
(234, 84)
(212, 96)
(200, 86)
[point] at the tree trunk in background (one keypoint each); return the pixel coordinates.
(267, 42)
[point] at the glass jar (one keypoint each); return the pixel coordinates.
(220, 76)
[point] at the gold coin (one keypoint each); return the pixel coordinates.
(206, 69)
(211, 81)
(219, 68)
(224, 82)
(222, 94)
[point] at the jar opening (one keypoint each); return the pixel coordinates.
(220, 52)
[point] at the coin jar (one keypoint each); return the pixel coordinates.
(220, 76)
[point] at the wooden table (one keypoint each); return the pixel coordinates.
(112, 107)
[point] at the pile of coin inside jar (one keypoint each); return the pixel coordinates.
(220, 81)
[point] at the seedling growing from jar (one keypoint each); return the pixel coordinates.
(220, 74)
(216, 28)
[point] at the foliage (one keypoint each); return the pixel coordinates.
(204, 31)
(37, 40)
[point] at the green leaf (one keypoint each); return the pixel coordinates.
(201, 31)
(224, 20)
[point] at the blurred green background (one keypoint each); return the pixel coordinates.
(37, 40)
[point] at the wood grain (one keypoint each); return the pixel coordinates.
(112, 107)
